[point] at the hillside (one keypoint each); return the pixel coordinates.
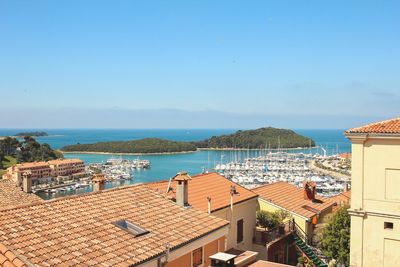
(13, 151)
(147, 145)
(260, 138)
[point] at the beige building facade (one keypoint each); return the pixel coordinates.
(44, 170)
(64, 167)
(242, 215)
(375, 199)
(222, 198)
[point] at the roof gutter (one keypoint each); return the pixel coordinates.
(234, 203)
(372, 135)
(277, 206)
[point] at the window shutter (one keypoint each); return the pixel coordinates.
(239, 234)
(197, 257)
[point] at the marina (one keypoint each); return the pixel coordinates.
(115, 170)
(118, 168)
(293, 168)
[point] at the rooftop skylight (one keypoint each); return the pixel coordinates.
(131, 228)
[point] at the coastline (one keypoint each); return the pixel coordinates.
(182, 152)
(329, 172)
(253, 149)
(127, 154)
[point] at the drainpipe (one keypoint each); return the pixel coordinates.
(232, 202)
(209, 204)
(165, 255)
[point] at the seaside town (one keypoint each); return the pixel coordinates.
(199, 133)
(268, 210)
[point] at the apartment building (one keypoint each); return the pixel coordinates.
(37, 170)
(65, 167)
(44, 170)
(375, 197)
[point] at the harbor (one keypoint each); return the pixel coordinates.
(117, 171)
(293, 168)
(247, 168)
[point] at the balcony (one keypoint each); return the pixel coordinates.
(264, 237)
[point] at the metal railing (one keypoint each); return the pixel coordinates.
(300, 232)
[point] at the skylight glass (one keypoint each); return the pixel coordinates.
(131, 228)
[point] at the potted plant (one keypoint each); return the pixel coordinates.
(281, 216)
(266, 219)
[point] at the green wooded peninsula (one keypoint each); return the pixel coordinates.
(267, 137)
(34, 134)
(146, 145)
(249, 139)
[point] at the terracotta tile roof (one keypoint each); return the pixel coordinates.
(31, 164)
(345, 155)
(80, 230)
(47, 164)
(64, 161)
(391, 126)
(291, 198)
(207, 185)
(8, 258)
(12, 196)
(341, 199)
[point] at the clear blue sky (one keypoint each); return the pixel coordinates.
(332, 63)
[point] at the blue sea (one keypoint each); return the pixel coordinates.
(165, 166)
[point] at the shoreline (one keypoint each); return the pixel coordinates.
(332, 173)
(127, 154)
(182, 152)
(254, 149)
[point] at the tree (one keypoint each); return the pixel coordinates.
(335, 241)
(8, 146)
(1, 159)
(267, 219)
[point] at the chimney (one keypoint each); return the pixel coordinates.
(182, 190)
(99, 182)
(309, 190)
(346, 187)
(27, 182)
(233, 193)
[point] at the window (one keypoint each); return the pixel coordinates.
(197, 257)
(388, 225)
(239, 231)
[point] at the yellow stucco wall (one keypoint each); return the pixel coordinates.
(375, 199)
(301, 221)
(246, 211)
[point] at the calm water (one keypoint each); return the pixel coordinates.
(165, 166)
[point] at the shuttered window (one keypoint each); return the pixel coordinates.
(197, 257)
(239, 231)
